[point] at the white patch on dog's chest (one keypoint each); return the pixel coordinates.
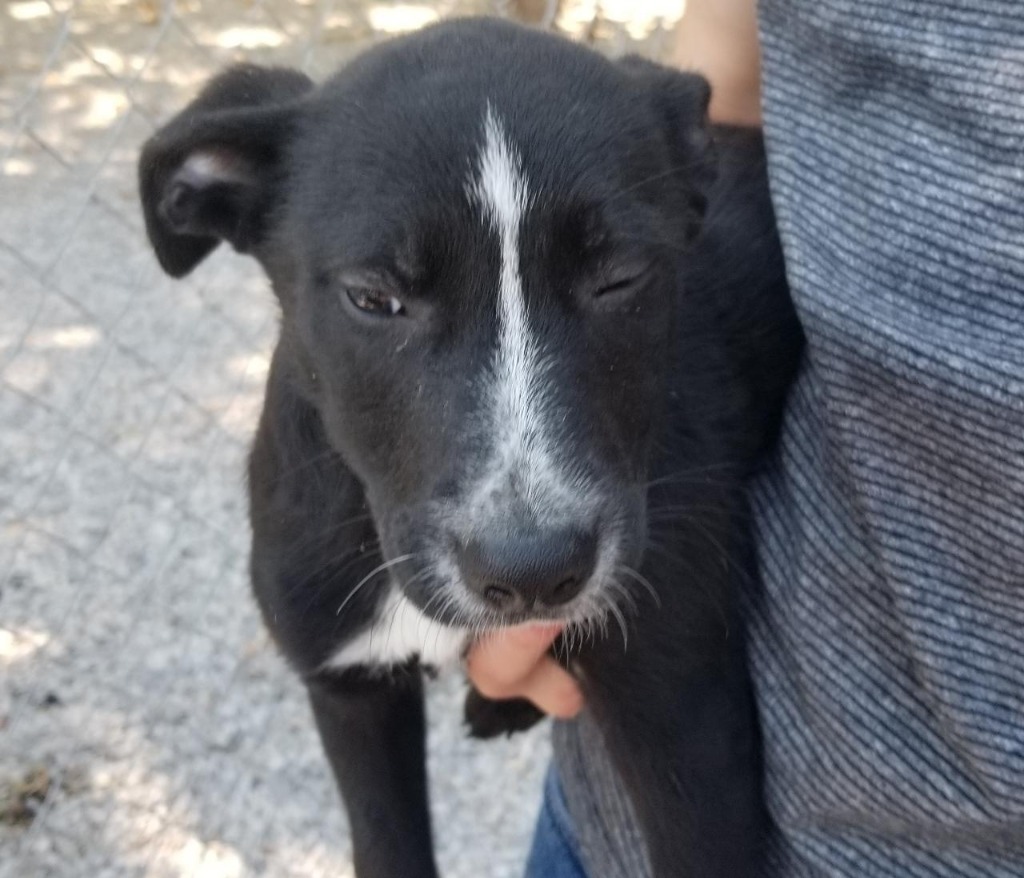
(400, 632)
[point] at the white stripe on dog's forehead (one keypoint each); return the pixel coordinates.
(501, 189)
(500, 186)
(524, 452)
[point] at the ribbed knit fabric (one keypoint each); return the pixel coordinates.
(887, 644)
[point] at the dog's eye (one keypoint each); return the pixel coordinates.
(618, 286)
(376, 302)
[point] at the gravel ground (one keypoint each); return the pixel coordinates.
(147, 727)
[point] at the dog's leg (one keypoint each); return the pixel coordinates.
(676, 708)
(686, 751)
(373, 732)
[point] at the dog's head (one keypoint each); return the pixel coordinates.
(474, 233)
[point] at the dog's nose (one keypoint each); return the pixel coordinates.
(523, 572)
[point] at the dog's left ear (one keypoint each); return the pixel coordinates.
(211, 173)
(681, 100)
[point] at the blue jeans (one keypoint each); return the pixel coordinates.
(555, 850)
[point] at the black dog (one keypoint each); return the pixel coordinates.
(517, 380)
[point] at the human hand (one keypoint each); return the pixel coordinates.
(515, 663)
(718, 39)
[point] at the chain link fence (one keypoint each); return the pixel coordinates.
(146, 725)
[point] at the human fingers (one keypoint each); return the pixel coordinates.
(514, 663)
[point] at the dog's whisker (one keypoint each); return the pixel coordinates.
(396, 610)
(616, 588)
(683, 168)
(686, 247)
(353, 556)
(643, 581)
(692, 474)
(695, 577)
(369, 576)
(617, 614)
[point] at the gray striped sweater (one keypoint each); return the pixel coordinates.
(888, 644)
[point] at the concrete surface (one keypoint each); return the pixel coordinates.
(147, 727)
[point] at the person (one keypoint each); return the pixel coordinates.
(887, 640)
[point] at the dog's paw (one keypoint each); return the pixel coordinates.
(488, 719)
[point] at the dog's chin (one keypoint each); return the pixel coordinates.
(590, 614)
(491, 621)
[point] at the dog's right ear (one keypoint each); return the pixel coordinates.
(211, 173)
(681, 100)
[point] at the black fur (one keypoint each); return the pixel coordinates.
(487, 718)
(672, 343)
